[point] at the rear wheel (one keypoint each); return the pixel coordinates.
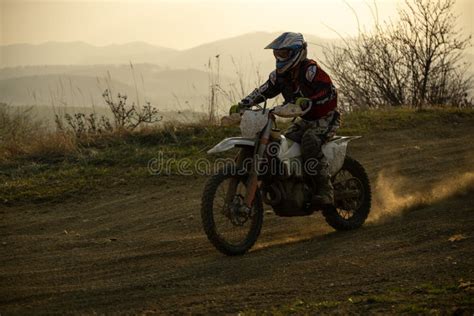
(229, 225)
(352, 197)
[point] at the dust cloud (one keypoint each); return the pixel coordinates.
(388, 201)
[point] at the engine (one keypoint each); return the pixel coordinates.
(288, 197)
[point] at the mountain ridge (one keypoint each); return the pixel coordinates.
(82, 53)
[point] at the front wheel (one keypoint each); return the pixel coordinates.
(230, 226)
(352, 197)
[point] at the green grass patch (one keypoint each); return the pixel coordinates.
(429, 288)
(364, 122)
(103, 162)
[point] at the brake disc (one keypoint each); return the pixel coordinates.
(238, 213)
(355, 202)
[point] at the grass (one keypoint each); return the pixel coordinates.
(298, 307)
(364, 122)
(54, 167)
(422, 299)
(106, 162)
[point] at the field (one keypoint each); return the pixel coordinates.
(92, 232)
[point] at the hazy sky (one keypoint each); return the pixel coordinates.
(186, 23)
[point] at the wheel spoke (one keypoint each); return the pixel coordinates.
(350, 194)
(232, 225)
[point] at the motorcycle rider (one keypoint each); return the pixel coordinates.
(309, 95)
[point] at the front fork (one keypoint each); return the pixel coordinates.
(252, 181)
(261, 146)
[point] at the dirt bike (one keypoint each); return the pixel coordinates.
(232, 201)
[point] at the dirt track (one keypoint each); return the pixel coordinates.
(142, 249)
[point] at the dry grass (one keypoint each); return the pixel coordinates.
(22, 134)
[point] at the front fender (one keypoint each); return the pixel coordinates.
(231, 142)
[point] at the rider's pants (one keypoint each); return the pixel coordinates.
(312, 135)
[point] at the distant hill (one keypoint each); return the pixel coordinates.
(116, 70)
(84, 85)
(57, 90)
(79, 53)
(165, 76)
(246, 50)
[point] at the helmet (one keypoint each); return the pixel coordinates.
(289, 49)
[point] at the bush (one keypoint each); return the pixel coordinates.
(126, 118)
(129, 117)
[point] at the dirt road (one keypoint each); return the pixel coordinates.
(141, 249)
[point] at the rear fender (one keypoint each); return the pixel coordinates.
(335, 152)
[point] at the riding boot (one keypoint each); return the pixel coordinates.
(324, 191)
(324, 194)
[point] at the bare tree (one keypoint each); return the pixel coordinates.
(416, 61)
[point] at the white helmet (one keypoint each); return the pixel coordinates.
(289, 49)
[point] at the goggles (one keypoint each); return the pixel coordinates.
(282, 54)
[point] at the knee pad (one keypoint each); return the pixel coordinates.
(311, 145)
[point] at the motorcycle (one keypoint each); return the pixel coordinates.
(269, 169)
